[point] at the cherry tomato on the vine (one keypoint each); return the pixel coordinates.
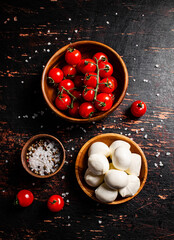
(63, 101)
(77, 94)
(107, 85)
(88, 94)
(79, 81)
(103, 102)
(112, 96)
(87, 65)
(69, 71)
(138, 108)
(74, 110)
(86, 110)
(106, 69)
(73, 56)
(55, 75)
(66, 84)
(55, 203)
(101, 57)
(24, 198)
(90, 79)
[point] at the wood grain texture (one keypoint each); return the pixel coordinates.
(142, 33)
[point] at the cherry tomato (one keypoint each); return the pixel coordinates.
(106, 69)
(77, 94)
(112, 96)
(55, 203)
(138, 108)
(101, 57)
(90, 79)
(86, 110)
(87, 66)
(69, 71)
(79, 81)
(107, 85)
(66, 84)
(103, 102)
(74, 111)
(55, 75)
(24, 198)
(72, 56)
(63, 101)
(88, 94)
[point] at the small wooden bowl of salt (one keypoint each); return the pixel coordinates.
(43, 156)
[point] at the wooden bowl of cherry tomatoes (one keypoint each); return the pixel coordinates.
(84, 81)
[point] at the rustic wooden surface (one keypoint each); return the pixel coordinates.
(142, 33)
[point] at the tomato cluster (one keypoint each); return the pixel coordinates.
(84, 86)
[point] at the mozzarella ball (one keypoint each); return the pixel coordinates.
(121, 158)
(104, 194)
(93, 180)
(99, 147)
(135, 165)
(116, 179)
(98, 164)
(118, 143)
(132, 186)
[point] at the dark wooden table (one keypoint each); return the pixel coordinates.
(142, 32)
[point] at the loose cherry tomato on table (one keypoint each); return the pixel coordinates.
(103, 102)
(90, 79)
(79, 81)
(74, 110)
(63, 101)
(88, 94)
(66, 84)
(87, 66)
(106, 69)
(138, 108)
(24, 198)
(108, 85)
(73, 56)
(101, 57)
(69, 71)
(55, 203)
(86, 110)
(55, 75)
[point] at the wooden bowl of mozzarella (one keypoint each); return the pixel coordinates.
(111, 168)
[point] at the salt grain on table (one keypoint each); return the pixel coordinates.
(157, 155)
(145, 136)
(168, 153)
(161, 164)
(156, 165)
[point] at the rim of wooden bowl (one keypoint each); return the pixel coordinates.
(83, 154)
(28, 144)
(61, 51)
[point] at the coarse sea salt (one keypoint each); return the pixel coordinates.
(43, 157)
